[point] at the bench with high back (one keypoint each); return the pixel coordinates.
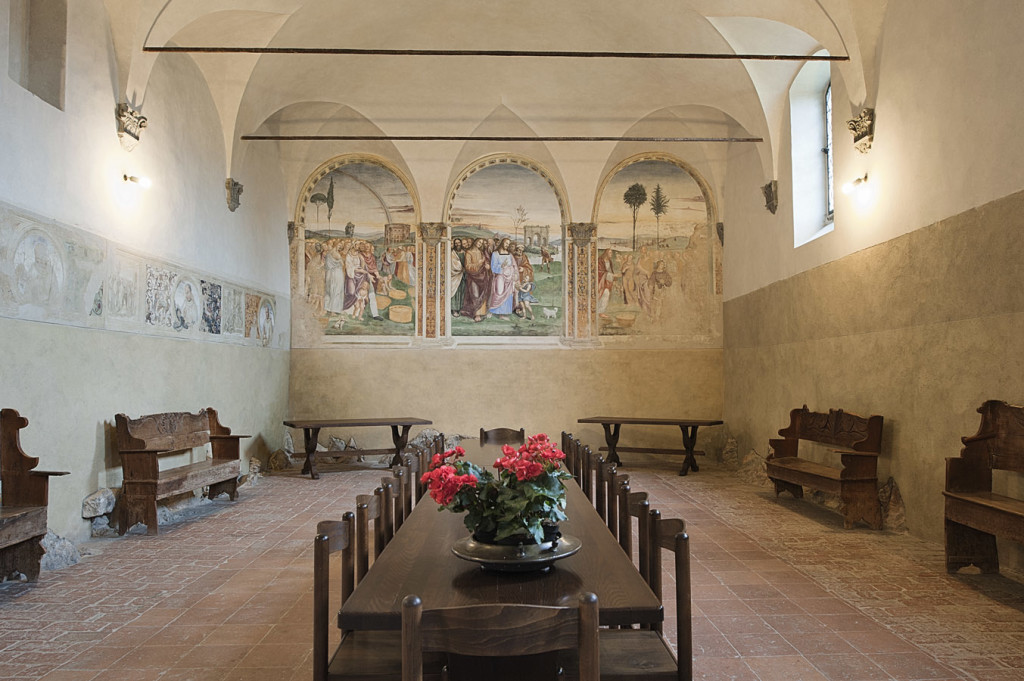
(857, 441)
(142, 441)
(975, 515)
(23, 500)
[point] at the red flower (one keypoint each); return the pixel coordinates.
(444, 483)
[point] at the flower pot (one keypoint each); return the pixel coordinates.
(551, 534)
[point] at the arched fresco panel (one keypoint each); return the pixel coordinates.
(357, 270)
(657, 253)
(506, 276)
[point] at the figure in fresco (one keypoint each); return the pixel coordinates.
(504, 276)
(546, 259)
(478, 281)
(315, 276)
(335, 255)
(36, 279)
(456, 281)
(525, 300)
(370, 264)
(186, 310)
(660, 282)
(387, 271)
(523, 262)
(605, 279)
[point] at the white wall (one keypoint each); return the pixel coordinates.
(66, 167)
(946, 138)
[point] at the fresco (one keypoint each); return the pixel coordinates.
(359, 270)
(657, 253)
(506, 275)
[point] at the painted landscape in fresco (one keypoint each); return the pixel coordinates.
(506, 262)
(360, 265)
(655, 264)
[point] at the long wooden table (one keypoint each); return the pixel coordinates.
(611, 425)
(419, 561)
(311, 432)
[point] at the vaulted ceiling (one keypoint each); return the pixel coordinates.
(373, 94)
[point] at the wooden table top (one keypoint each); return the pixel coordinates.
(348, 423)
(650, 421)
(419, 561)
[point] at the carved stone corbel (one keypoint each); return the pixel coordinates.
(863, 129)
(771, 196)
(234, 191)
(129, 125)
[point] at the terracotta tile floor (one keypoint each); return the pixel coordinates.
(781, 592)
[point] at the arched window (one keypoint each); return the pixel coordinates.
(38, 47)
(810, 118)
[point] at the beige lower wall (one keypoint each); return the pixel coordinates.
(544, 390)
(921, 329)
(69, 382)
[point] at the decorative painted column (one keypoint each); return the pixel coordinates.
(581, 283)
(432, 281)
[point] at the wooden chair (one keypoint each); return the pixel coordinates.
(387, 508)
(369, 507)
(359, 655)
(402, 492)
(602, 470)
(635, 654)
(498, 631)
(586, 478)
(635, 505)
(502, 436)
(416, 463)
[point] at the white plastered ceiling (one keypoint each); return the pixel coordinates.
(289, 94)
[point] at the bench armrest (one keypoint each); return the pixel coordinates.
(228, 437)
(964, 475)
(850, 452)
(49, 473)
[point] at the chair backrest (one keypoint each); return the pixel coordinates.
(500, 630)
(502, 436)
(670, 533)
(586, 478)
(602, 470)
(634, 505)
(402, 491)
(369, 507)
(331, 536)
(614, 481)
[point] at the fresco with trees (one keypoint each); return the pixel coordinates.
(505, 276)
(656, 254)
(359, 269)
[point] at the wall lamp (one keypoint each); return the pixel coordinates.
(851, 187)
(144, 182)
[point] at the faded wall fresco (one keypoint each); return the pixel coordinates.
(55, 273)
(659, 257)
(506, 273)
(357, 273)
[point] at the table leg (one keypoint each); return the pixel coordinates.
(611, 438)
(310, 437)
(400, 440)
(689, 442)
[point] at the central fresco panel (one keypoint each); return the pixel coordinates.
(506, 275)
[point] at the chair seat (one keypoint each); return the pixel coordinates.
(628, 655)
(376, 656)
(634, 654)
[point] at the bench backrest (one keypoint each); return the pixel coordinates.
(999, 442)
(167, 432)
(836, 428)
(15, 464)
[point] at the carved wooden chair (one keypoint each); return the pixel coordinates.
(498, 631)
(586, 478)
(402, 491)
(635, 654)
(502, 436)
(635, 505)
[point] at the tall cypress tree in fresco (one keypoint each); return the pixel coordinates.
(635, 197)
(330, 202)
(659, 206)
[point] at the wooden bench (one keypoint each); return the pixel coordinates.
(975, 515)
(23, 499)
(859, 441)
(142, 441)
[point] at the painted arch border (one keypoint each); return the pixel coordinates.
(711, 204)
(348, 159)
(507, 159)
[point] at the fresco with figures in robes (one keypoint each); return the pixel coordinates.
(506, 275)
(658, 255)
(359, 275)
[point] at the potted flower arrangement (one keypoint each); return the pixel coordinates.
(521, 503)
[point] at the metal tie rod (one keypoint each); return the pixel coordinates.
(486, 138)
(491, 53)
